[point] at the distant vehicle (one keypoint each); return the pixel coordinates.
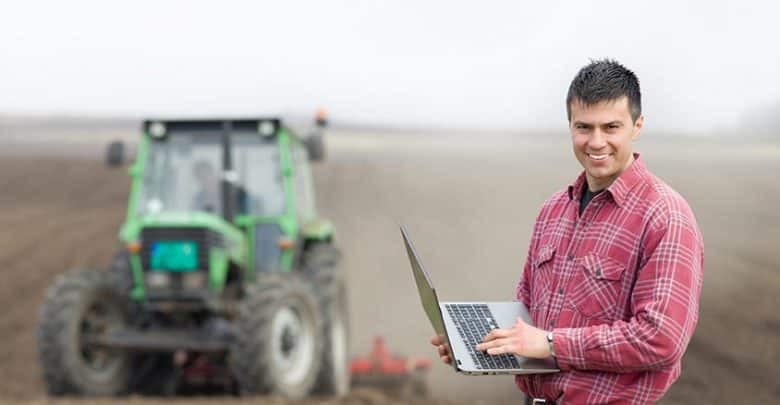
(226, 276)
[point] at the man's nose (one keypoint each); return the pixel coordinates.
(597, 140)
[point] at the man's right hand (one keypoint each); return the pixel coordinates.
(441, 346)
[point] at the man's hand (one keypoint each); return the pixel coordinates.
(521, 339)
(441, 346)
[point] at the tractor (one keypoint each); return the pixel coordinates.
(225, 277)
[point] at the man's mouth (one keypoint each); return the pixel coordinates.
(601, 156)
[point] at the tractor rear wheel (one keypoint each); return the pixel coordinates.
(278, 337)
(321, 266)
(78, 309)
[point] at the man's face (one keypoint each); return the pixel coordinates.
(602, 136)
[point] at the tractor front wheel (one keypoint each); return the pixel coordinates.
(278, 337)
(79, 308)
(321, 265)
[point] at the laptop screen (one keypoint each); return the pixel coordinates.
(424, 286)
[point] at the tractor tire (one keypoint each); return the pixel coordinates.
(278, 337)
(78, 306)
(321, 266)
(122, 272)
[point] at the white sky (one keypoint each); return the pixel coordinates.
(703, 65)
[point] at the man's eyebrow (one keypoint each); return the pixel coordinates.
(582, 123)
(616, 122)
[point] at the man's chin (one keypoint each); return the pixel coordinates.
(599, 175)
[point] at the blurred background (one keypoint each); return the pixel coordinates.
(448, 117)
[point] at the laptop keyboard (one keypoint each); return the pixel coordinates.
(474, 322)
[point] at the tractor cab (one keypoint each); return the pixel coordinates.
(218, 196)
(223, 168)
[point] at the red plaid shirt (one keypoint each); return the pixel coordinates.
(619, 287)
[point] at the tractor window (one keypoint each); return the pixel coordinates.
(256, 161)
(303, 184)
(183, 173)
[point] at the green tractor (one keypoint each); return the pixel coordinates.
(226, 279)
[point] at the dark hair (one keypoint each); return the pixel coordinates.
(605, 80)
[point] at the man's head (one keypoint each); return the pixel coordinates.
(604, 106)
(204, 172)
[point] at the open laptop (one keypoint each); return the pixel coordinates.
(465, 324)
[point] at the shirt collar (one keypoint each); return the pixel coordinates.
(619, 188)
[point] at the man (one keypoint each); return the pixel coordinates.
(614, 270)
(207, 198)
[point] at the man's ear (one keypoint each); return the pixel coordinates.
(638, 127)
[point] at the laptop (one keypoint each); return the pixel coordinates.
(465, 324)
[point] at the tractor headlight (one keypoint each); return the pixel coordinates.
(157, 129)
(158, 279)
(266, 128)
(194, 280)
(154, 206)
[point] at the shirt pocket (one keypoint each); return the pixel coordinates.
(596, 292)
(541, 285)
(544, 255)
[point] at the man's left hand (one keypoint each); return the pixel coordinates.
(521, 339)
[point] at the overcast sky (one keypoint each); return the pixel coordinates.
(703, 65)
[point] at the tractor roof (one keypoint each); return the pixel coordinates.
(160, 127)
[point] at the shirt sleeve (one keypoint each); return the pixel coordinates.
(523, 289)
(523, 292)
(665, 304)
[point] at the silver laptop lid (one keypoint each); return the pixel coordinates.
(428, 298)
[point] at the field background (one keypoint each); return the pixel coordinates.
(469, 201)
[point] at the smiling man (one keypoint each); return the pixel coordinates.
(614, 270)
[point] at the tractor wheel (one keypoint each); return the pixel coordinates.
(122, 275)
(278, 337)
(321, 266)
(122, 272)
(78, 308)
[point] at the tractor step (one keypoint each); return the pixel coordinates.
(164, 340)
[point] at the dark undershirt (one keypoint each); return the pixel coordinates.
(587, 195)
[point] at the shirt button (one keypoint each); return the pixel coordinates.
(560, 290)
(552, 324)
(570, 257)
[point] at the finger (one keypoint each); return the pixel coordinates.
(443, 350)
(446, 359)
(496, 334)
(501, 350)
(494, 343)
(507, 345)
(436, 340)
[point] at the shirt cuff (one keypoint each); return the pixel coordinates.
(569, 346)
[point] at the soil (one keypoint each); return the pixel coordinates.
(469, 203)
